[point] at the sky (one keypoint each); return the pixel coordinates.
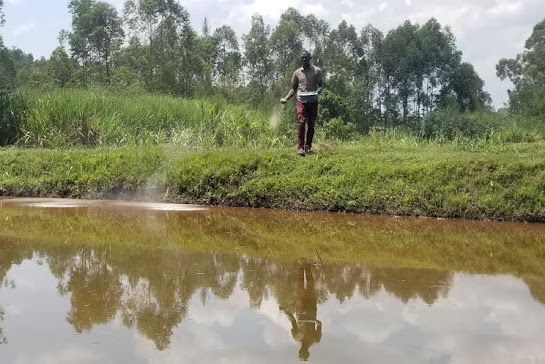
(485, 30)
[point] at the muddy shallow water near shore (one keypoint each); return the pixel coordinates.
(124, 282)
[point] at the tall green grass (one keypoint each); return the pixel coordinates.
(97, 118)
(494, 127)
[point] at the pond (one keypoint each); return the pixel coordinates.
(127, 282)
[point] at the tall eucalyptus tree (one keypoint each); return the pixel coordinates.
(527, 72)
(2, 19)
(257, 57)
(227, 63)
(96, 33)
(286, 44)
(7, 70)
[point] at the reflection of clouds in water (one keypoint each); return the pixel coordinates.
(482, 319)
(14, 310)
(223, 309)
(69, 355)
(506, 322)
(61, 203)
(226, 331)
(368, 320)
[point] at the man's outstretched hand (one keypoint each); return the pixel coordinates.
(283, 101)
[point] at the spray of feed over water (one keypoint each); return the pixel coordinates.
(274, 120)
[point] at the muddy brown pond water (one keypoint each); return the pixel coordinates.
(121, 282)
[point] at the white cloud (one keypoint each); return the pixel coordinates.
(505, 8)
(382, 6)
(69, 355)
(23, 29)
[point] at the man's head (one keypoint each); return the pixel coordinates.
(304, 354)
(305, 58)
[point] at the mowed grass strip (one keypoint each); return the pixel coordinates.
(506, 183)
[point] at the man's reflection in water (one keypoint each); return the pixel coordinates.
(306, 328)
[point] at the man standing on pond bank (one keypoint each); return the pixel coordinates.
(307, 83)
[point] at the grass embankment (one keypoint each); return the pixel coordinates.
(504, 182)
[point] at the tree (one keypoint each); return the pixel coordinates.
(257, 56)
(7, 69)
(440, 61)
(315, 33)
(2, 19)
(172, 59)
(23, 64)
(96, 33)
(422, 72)
(527, 72)
(294, 33)
(343, 52)
(401, 58)
(468, 88)
(61, 67)
(227, 58)
(370, 72)
(344, 60)
(286, 44)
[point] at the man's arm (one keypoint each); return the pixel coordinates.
(293, 90)
(318, 336)
(319, 81)
(289, 315)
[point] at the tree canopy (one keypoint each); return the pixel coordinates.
(527, 72)
(2, 19)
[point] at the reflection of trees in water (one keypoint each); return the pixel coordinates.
(96, 291)
(537, 289)
(257, 275)
(11, 254)
(343, 280)
(404, 283)
(3, 339)
(151, 290)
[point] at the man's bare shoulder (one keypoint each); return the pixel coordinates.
(317, 69)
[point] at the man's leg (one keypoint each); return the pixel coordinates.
(312, 112)
(302, 118)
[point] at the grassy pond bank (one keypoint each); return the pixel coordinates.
(500, 182)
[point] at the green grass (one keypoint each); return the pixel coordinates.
(66, 118)
(504, 182)
(93, 118)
